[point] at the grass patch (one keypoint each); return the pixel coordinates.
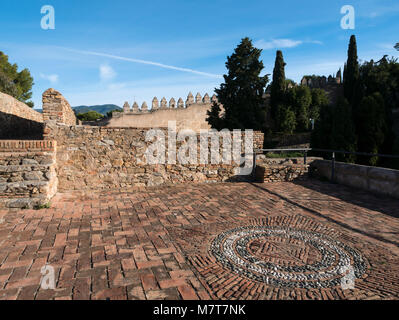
(43, 206)
(276, 155)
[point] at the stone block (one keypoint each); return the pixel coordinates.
(29, 162)
(34, 175)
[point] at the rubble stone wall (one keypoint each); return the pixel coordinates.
(107, 158)
(56, 108)
(27, 173)
(282, 169)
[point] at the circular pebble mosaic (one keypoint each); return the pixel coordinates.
(286, 257)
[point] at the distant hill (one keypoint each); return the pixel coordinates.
(103, 109)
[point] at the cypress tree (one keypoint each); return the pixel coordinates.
(277, 93)
(343, 136)
(241, 94)
(351, 71)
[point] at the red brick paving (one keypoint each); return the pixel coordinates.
(154, 243)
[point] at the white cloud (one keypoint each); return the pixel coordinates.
(277, 43)
(106, 72)
(282, 43)
(382, 11)
(53, 78)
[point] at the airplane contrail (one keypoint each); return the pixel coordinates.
(161, 65)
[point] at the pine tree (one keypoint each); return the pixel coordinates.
(278, 86)
(351, 72)
(241, 94)
(16, 84)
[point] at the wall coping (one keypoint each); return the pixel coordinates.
(12, 106)
(104, 128)
(27, 145)
(346, 164)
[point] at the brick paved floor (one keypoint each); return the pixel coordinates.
(219, 241)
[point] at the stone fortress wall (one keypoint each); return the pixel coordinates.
(28, 175)
(95, 158)
(76, 157)
(333, 85)
(190, 114)
(17, 120)
(28, 168)
(57, 108)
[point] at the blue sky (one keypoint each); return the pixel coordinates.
(115, 51)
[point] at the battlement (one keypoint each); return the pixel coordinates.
(165, 105)
(322, 81)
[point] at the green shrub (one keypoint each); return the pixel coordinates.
(90, 116)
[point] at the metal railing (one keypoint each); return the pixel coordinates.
(333, 154)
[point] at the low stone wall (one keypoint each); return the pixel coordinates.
(17, 120)
(263, 160)
(377, 180)
(281, 169)
(56, 108)
(280, 172)
(27, 173)
(104, 158)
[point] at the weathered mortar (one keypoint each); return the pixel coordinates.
(102, 158)
(27, 173)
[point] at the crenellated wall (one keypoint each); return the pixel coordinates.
(88, 157)
(190, 114)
